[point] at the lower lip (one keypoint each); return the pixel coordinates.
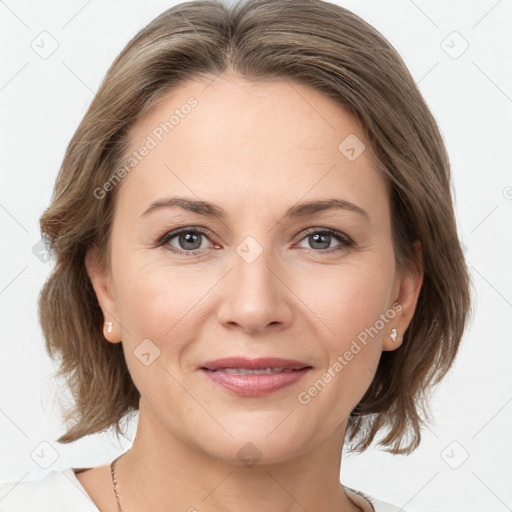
(255, 385)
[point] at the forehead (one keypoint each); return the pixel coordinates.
(267, 142)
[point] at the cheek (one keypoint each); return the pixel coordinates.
(349, 300)
(151, 296)
(156, 308)
(163, 303)
(353, 305)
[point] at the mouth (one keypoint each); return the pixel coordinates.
(254, 377)
(248, 371)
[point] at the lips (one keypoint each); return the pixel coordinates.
(254, 377)
(247, 371)
(254, 364)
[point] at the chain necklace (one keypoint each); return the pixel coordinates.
(118, 499)
(114, 482)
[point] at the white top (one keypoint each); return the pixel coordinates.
(61, 491)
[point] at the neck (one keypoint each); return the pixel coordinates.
(161, 470)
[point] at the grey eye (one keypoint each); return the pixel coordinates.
(188, 240)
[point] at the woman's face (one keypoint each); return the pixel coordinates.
(284, 251)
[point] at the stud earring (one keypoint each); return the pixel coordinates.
(394, 334)
(109, 326)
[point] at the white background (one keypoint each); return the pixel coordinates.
(42, 102)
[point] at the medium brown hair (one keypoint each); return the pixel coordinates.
(311, 42)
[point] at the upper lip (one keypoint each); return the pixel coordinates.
(254, 364)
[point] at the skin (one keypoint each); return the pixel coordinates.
(255, 149)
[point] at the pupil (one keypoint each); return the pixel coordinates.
(320, 238)
(188, 239)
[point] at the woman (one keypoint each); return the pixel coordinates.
(256, 250)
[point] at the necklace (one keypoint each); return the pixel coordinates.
(114, 482)
(116, 488)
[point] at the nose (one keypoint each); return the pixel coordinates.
(255, 295)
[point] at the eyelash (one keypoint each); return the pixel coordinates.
(346, 242)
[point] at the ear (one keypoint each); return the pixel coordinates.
(406, 292)
(102, 283)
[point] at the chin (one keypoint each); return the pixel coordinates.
(257, 439)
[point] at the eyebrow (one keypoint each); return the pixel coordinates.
(215, 211)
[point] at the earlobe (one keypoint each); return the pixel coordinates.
(102, 284)
(408, 286)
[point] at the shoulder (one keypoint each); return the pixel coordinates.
(366, 502)
(57, 491)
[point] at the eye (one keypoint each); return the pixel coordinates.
(187, 240)
(193, 240)
(321, 240)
